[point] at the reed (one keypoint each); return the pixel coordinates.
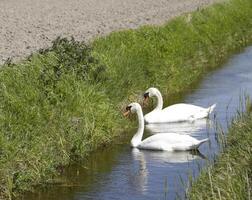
(230, 177)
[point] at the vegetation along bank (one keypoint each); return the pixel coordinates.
(61, 103)
(231, 175)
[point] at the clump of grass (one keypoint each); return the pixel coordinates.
(231, 176)
(76, 57)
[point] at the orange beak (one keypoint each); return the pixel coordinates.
(126, 114)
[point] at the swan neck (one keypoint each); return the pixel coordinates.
(159, 101)
(137, 138)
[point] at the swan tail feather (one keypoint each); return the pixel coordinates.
(201, 142)
(204, 140)
(211, 108)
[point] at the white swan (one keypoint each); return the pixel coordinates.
(186, 127)
(161, 141)
(174, 113)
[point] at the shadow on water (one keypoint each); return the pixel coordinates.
(120, 172)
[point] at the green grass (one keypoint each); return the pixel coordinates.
(230, 177)
(50, 114)
(173, 56)
(64, 102)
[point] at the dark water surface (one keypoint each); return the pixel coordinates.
(120, 172)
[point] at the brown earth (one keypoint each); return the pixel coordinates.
(28, 25)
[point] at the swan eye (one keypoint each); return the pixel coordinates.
(128, 108)
(146, 95)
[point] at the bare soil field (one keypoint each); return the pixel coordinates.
(28, 25)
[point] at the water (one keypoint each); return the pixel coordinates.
(120, 172)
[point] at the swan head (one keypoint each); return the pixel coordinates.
(150, 93)
(132, 108)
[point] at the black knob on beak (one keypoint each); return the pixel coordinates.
(128, 108)
(146, 95)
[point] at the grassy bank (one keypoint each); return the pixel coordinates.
(50, 113)
(173, 56)
(231, 175)
(63, 102)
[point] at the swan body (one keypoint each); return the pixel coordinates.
(187, 127)
(174, 113)
(161, 141)
(170, 142)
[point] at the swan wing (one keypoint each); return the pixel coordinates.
(169, 142)
(174, 113)
(177, 113)
(184, 112)
(183, 109)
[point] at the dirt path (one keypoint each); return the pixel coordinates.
(28, 25)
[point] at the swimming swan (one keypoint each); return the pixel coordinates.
(161, 141)
(174, 113)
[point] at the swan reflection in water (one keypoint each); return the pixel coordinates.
(194, 127)
(139, 177)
